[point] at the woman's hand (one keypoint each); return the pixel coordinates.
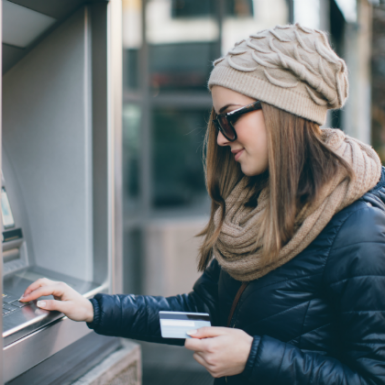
(67, 300)
(222, 351)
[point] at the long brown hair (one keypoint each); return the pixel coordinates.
(299, 165)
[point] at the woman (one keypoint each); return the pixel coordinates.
(293, 255)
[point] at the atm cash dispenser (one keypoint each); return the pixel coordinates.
(60, 162)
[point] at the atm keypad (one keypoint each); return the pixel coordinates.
(10, 304)
(18, 304)
(7, 298)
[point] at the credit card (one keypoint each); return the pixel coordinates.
(175, 324)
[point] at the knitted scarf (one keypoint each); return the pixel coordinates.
(235, 249)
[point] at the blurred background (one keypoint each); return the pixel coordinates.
(168, 50)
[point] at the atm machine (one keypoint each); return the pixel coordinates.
(61, 178)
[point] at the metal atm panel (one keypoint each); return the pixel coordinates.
(61, 170)
(1, 252)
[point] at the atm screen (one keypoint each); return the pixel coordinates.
(8, 221)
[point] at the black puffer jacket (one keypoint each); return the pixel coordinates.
(318, 319)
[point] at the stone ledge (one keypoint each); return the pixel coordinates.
(122, 367)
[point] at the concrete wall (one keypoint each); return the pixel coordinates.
(123, 367)
(171, 252)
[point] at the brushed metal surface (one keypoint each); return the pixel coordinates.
(24, 321)
(115, 93)
(38, 346)
(1, 226)
(71, 362)
(28, 319)
(47, 135)
(50, 333)
(46, 334)
(99, 141)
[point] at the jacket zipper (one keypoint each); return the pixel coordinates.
(234, 305)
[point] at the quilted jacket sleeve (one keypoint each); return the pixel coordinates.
(137, 316)
(354, 285)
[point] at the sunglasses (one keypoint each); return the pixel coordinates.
(225, 121)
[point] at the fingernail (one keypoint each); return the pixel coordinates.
(192, 332)
(21, 298)
(40, 303)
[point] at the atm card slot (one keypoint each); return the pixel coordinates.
(10, 255)
(12, 235)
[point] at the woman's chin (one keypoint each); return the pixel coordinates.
(252, 171)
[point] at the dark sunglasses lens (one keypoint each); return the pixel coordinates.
(227, 129)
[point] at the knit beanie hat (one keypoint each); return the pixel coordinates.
(290, 67)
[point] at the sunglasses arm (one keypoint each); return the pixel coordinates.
(243, 110)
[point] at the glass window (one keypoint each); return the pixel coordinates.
(196, 8)
(178, 177)
(240, 8)
(243, 17)
(182, 37)
(307, 12)
(131, 74)
(132, 42)
(181, 66)
(131, 143)
(192, 8)
(132, 260)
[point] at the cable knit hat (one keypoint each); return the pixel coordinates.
(290, 67)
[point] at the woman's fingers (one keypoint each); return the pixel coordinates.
(56, 289)
(193, 344)
(198, 358)
(204, 361)
(67, 300)
(208, 332)
(51, 304)
(222, 351)
(35, 285)
(81, 310)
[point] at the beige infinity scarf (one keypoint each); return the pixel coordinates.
(235, 249)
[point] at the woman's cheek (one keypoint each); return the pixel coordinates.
(252, 166)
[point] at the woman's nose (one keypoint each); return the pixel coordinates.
(221, 140)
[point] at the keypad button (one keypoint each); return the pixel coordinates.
(18, 304)
(9, 307)
(9, 298)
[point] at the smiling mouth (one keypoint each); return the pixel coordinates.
(237, 154)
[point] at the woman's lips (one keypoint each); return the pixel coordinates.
(238, 153)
